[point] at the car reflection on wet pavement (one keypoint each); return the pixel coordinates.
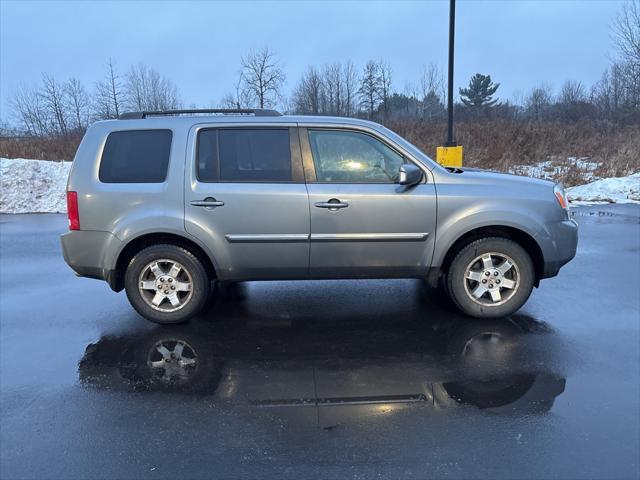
(495, 366)
(333, 379)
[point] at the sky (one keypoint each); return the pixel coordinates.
(198, 45)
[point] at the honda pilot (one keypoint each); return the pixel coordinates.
(162, 204)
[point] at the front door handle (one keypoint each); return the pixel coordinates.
(334, 204)
(208, 202)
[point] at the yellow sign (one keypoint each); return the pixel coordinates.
(450, 156)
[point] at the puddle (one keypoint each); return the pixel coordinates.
(624, 213)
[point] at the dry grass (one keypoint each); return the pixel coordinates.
(42, 148)
(502, 144)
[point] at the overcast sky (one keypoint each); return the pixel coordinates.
(198, 44)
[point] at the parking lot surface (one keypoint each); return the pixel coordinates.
(331, 379)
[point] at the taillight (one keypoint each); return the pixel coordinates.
(561, 200)
(561, 196)
(72, 211)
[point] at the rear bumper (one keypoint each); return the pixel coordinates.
(86, 252)
(564, 235)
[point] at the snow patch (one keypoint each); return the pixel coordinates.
(33, 186)
(607, 190)
(584, 167)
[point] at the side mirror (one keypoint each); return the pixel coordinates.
(410, 174)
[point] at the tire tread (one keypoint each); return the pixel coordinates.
(199, 277)
(483, 312)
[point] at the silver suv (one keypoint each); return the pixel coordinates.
(162, 204)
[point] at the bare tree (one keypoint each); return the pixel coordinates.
(385, 86)
(333, 89)
(572, 91)
(330, 91)
(53, 98)
(538, 102)
(432, 91)
(571, 100)
(432, 80)
(350, 81)
(78, 103)
(626, 35)
(410, 107)
(263, 76)
(240, 98)
(109, 94)
(29, 110)
(146, 89)
(626, 31)
(608, 93)
(631, 76)
(308, 95)
(370, 88)
(135, 88)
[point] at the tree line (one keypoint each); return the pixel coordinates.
(59, 108)
(343, 89)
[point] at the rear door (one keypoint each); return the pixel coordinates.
(245, 198)
(363, 223)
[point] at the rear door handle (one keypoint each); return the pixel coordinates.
(333, 204)
(208, 202)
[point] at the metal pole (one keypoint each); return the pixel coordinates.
(452, 25)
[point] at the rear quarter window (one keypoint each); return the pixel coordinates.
(136, 156)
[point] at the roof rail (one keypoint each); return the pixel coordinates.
(258, 112)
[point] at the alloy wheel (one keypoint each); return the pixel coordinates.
(491, 279)
(165, 285)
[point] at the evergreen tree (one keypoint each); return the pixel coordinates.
(432, 106)
(480, 92)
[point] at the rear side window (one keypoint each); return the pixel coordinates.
(136, 156)
(244, 155)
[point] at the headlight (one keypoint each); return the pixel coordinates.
(558, 191)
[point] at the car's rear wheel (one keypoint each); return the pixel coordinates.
(491, 277)
(166, 284)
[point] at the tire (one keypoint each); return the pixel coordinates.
(185, 284)
(476, 299)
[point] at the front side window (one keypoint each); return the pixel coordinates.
(136, 156)
(352, 157)
(244, 155)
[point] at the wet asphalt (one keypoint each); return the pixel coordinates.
(333, 379)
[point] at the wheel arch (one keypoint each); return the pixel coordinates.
(137, 244)
(522, 238)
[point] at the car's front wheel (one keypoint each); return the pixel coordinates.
(491, 277)
(166, 284)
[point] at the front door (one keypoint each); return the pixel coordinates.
(363, 223)
(245, 198)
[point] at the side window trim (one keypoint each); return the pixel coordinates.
(297, 171)
(309, 165)
(307, 156)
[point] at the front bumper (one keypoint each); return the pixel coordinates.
(564, 235)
